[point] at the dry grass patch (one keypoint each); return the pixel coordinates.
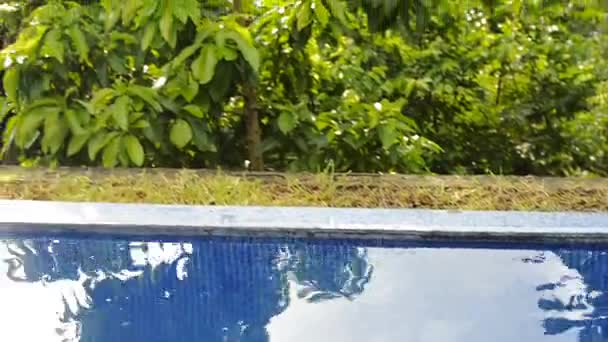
(370, 191)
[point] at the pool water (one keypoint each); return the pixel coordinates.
(76, 288)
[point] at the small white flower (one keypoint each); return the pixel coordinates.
(159, 82)
(8, 61)
(378, 106)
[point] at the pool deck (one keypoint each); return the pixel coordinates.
(392, 224)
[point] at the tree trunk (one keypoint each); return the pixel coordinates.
(250, 111)
(254, 133)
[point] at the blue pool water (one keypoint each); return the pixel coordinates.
(71, 288)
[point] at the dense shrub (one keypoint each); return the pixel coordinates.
(494, 86)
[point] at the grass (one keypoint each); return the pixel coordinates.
(372, 191)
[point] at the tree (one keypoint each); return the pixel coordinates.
(367, 85)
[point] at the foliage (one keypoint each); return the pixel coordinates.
(367, 85)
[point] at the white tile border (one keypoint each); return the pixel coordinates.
(179, 220)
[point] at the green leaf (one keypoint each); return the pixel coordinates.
(287, 122)
(8, 135)
(30, 121)
(191, 89)
(387, 135)
(219, 86)
(112, 13)
(55, 132)
(194, 111)
(203, 68)
(193, 9)
(123, 157)
(120, 112)
(229, 53)
(117, 64)
(141, 124)
(53, 45)
(110, 152)
(304, 15)
(28, 40)
(126, 38)
(77, 143)
(135, 116)
(321, 12)
(100, 99)
(149, 95)
(181, 133)
(243, 40)
(185, 54)
(338, 9)
(180, 10)
(135, 150)
(155, 133)
(74, 122)
(44, 102)
(11, 83)
(200, 137)
(148, 36)
(203, 32)
(6, 107)
(129, 9)
(99, 141)
(166, 25)
(80, 43)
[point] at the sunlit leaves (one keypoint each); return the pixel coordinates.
(129, 10)
(111, 151)
(387, 135)
(120, 112)
(338, 9)
(360, 84)
(244, 42)
(304, 15)
(203, 68)
(149, 95)
(195, 111)
(181, 133)
(134, 150)
(76, 143)
(287, 122)
(27, 42)
(321, 12)
(80, 43)
(148, 35)
(53, 45)
(11, 83)
(55, 132)
(99, 141)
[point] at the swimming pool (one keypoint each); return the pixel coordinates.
(96, 280)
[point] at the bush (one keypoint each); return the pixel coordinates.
(364, 85)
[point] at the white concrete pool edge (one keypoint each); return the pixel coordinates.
(179, 220)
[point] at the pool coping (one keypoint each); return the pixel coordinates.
(20, 216)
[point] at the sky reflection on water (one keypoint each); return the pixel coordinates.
(255, 290)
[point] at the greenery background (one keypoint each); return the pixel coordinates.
(414, 86)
